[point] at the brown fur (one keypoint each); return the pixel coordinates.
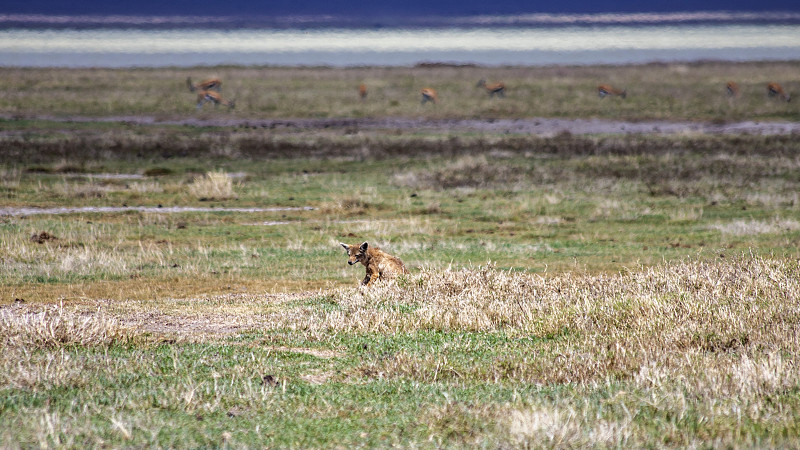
(362, 91)
(205, 85)
(732, 88)
(776, 90)
(214, 97)
(498, 88)
(379, 264)
(429, 95)
(605, 89)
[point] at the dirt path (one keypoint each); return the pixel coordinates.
(538, 126)
(29, 211)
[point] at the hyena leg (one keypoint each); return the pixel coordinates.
(371, 277)
(366, 280)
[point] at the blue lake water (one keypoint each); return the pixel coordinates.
(486, 45)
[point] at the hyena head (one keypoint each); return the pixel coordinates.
(355, 253)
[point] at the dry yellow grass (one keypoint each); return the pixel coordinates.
(54, 327)
(699, 352)
(748, 227)
(675, 318)
(215, 185)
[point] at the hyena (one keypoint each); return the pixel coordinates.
(379, 264)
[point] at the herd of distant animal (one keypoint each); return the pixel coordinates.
(208, 91)
(381, 265)
(773, 90)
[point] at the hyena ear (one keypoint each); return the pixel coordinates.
(344, 245)
(364, 246)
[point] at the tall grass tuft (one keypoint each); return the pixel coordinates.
(55, 327)
(213, 186)
(750, 227)
(672, 316)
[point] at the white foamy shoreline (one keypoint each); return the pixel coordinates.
(341, 47)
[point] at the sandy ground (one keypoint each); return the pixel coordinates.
(211, 317)
(537, 126)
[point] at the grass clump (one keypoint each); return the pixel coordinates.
(55, 327)
(215, 185)
(668, 309)
(750, 227)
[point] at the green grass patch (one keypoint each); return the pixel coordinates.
(693, 91)
(564, 291)
(661, 357)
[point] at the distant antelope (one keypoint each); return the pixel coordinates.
(605, 89)
(494, 88)
(205, 85)
(776, 90)
(429, 95)
(732, 88)
(214, 97)
(362, 91)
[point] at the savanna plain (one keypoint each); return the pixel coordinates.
(172, 277)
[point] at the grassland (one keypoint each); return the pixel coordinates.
(566, 290)
(655, 91)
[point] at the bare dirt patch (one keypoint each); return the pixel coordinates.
(317, 353)
(29, 211)
(197, 318)
(317, 378)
